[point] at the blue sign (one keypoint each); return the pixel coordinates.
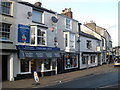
(42, 48)
(23, 33)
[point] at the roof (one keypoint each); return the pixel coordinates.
(87, 35)
(67, 17)
(37, 7)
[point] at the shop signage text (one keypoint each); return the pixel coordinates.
(24, 47)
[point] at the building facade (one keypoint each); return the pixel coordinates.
(90, 49)
(7, 38)
(67, 36)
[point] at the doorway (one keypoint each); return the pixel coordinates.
(4, 67)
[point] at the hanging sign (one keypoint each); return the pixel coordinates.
(23, 33)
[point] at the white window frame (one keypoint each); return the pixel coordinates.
(10, 8)
(42, 37)
(9, 39)
(70, 24)
(72, 41)
(36, 36)
(39, 16)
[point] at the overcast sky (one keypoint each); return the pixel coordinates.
(103, 12)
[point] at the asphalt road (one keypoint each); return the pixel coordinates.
(104, 80)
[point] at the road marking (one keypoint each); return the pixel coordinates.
(109, 86)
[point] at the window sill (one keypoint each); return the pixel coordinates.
(6, 42)
(25, 72)
(7, 15)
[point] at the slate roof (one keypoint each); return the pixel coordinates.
(87, 35)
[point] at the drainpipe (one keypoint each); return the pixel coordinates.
(79, 44)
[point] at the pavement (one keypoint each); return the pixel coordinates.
(59, 78)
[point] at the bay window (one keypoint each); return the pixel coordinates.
(38, 36)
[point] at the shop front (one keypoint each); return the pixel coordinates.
(70, 62)
(88, 59)
(37, 58)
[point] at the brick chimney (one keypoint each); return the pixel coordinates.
(39, 4)
(91, 25)
(67, 12)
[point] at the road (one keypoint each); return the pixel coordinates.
(104, 80)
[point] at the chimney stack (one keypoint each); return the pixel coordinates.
(38, 4)
(67, 12)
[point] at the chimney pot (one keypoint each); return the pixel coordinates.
(39, 4)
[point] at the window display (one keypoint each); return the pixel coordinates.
(47, 64)
(70, 61)
(24, 66)
(84, 59)
(92, 59)
(53, 64)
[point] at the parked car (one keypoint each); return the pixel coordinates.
(117, 61)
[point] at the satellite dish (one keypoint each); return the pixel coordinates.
(54, 19)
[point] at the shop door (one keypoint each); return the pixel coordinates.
(4, 68)
(33, 65)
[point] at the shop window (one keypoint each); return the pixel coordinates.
(92, 59)
(37, 16)
(39, 65)
(47, 64)
(5, 8)
(53, 64)
(24, 66)
(84, 59)
(4, 31)
(70, 62)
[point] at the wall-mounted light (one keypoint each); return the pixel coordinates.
(29, 14)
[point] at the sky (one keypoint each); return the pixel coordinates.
(103, 12)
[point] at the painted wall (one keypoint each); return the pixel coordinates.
(61, 28)
(12, 21)
(83, 48)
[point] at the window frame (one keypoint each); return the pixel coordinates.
(9, 12)
(88, 44)
(66, 24)
(36, 36)
(41, 16)
(7, 32)
(29, 66)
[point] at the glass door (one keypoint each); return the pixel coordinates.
(33, 65)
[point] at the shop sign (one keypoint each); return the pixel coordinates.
(23, 33)
(38, 54)
(36, 77)
(42, 48)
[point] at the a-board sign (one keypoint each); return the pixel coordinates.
(36, 76)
